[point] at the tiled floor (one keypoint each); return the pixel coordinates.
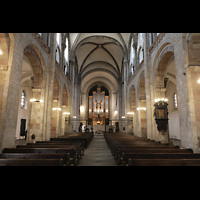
(97, 154)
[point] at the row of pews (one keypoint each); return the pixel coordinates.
(61, 151)
(129, 150)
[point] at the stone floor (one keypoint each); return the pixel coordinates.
(97, 154)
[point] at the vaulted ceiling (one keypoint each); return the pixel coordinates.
(92, 48)
(99, 55)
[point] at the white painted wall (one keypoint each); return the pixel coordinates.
(174, 126)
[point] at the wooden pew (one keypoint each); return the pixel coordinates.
(116, 148)
(77, 150)
(126, 159)
(127, 151)
(64, 149)
(164, 162)
(134, 151)
(73, 155)
(65, 157)
(84, 137)
(31, 162)
(78, 145)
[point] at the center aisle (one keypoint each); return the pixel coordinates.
(97, 154)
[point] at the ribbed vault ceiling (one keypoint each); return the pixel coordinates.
(99, 52)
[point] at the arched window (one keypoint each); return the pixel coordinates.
(65, 70)
(175, 101)
(132, 56)
(23, 99)
(141, 55)
(58, 55)
(66, 49)
(58, 38)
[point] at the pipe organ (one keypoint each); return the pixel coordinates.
(98, 107)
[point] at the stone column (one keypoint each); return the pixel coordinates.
(76, 98)
(10, 84)
(120, 86)
(147, 87)
(137, 113)
(49, 87)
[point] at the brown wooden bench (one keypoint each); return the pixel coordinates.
(65, 149)
(73, 155)
(128, 150)
(31, 162)
(116, 148)
(77, 150)
(127, 158)
(78, 145)
(164, 162)
(123, 151)
(83, 137)
(65, 157)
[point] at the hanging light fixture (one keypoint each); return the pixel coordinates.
(1, 52)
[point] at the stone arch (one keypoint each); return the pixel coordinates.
(163, 50)
(164, 77)
(37, 62)
(160, 67)
(33, 83)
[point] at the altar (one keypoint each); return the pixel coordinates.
(99, 129)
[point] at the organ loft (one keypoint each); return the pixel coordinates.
(98, 108)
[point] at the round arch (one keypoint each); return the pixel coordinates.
(32, 49)
(164, 81)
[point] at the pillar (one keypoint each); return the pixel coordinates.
(147, 87)
(49, 89)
